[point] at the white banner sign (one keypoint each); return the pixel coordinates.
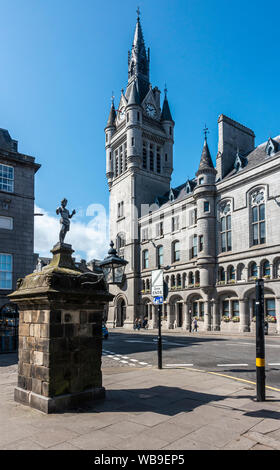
(157, 283)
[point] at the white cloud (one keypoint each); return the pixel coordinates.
(89, 240)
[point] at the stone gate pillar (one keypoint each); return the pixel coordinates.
(60, 338)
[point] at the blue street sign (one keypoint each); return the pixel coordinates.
(158, 300)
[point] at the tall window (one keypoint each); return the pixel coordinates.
(201, 242)
(120, 209)
(151, 158)
(158, 160)
(194, 246)
(116, 163)
(258, 217)
(226, 233)
(266, 268)
(270, 307)
(235, 308)
(258, 224)
(253, 270)
(231, 273)
(159, 229)
(160, 256)
(6, 271)
(176, 251)
(144, 155)
(175, 223)
(120, 241)
(226, 308)
(121, 160)
(6, 178)
(125, 156)
(145, 259)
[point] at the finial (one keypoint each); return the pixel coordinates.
(138, 13)
(112, 98)
(205, 131)
(165, 90)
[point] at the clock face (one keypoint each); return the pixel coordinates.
(151, 110)
(122, 113)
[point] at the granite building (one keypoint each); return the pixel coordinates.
(17, 173)
(213, 235)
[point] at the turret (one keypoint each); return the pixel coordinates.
(168, 126)
(204, 194)
(109, 131)
(133, 127)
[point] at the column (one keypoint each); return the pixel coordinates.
(207, 316)
(188, 316)
(169, 316)
(244, 316)
(277, 306)
(216, 316)
(155, 316)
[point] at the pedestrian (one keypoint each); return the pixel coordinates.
(145, 323)
(139, 324)
(195, 325)
(135, 324)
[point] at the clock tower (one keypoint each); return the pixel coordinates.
(139, 164)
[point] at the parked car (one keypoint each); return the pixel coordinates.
(105, 332)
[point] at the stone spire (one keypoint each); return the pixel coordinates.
(112, 115)
(205, 160)
(165, 113)
(138, 62)
(134, 95)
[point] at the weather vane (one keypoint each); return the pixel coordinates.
(138, 12)
(205, 131)
(165, 90)
(112, 97)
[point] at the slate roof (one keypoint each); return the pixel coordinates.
(256, 157)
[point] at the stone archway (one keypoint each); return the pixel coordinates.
(176, 312)
(121, 312)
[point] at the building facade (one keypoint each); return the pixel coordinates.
(17, 173)
(213, 235)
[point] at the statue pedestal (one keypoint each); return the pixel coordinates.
(60, 336)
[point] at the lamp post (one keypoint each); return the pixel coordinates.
(113, 266)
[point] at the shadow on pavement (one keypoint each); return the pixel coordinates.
(142, 342)
(160, 399)
(8, 359)
(264, 413)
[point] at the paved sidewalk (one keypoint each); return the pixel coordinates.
(147, 409)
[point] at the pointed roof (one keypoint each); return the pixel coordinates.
(134, 95)
(138, 41)
(165, 113)
(112, 116)
(205, 160)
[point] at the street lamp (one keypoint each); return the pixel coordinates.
(113, 266)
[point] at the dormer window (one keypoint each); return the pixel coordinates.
(171, 196)
(271, 147)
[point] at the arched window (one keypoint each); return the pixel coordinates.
(197, 277)
(172, 280)
(176, 251)
(253, 270)
(222, 274)
(160, 256)
(231, 273)
(145, 259)
(240, 272)
(143, 285)
(191, 278)
(266, 269)
(178, 280)
(120, 242)
(258, 236)
(147, 284)
(184, 280)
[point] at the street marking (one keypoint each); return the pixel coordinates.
(178, 365)
(143, 363)
(116, 358)
(124, 362)
(231, 365)
(274, 363)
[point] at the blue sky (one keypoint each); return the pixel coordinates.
(61, 59)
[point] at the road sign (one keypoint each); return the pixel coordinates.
(157, 283)
(158, 300)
